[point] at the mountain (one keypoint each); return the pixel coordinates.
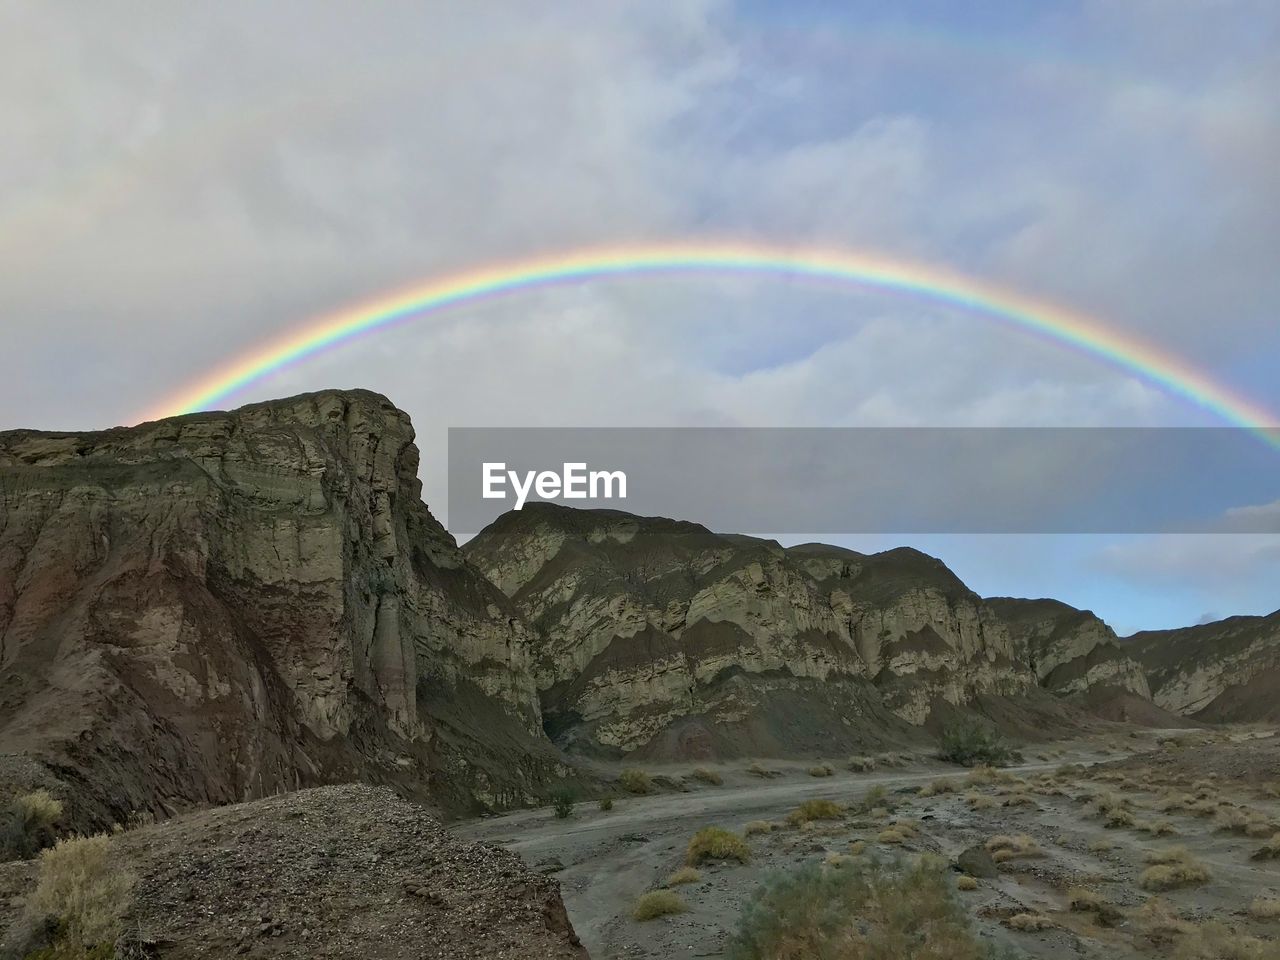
(217, 607)
(658, 637)
(1227, 671)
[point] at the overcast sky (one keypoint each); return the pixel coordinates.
(180, 181)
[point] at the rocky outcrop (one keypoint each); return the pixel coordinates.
(219, 606)
(1226, 671)
(1071, 651)
(661, 636)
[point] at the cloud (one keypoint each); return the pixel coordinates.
(1198, 561)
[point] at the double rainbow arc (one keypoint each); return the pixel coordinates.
(867, 271)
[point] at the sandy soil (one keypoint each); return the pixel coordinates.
(610, 858)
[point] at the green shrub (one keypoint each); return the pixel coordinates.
(864, 910)
(716, 843)
(970, 743)
(606, 804)
(635, 781)
(562, 801)
(83, 894)
(658, 903)
(28, 825)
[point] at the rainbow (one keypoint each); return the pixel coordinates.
(864, 270)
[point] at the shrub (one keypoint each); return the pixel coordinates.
(1217, 941)
(940, 786)
(83, 892)
(606, 804)
(874, 799)
(1265, 908)
(27, 826)
(856, 847)
(863, 909)
(1172, 869)
(815, 810)
(1269, 850)
(969, 743)
(1101, 845)
(979, 801)
(862, 764)
(1082, 900)
(757, 769)
(682, 876)
(562, 800)
(1028, 922)
(757, 826)
(891, 836)
(966, 882)
(635, 781)
(708, 776)
(658, 903)
(821, 770)
(716, 843)
(1003, 847)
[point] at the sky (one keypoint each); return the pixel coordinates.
(180, 183)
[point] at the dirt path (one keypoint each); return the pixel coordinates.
(611, 858)
(604, 861)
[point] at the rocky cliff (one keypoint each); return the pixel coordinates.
(662, 637)
(220, 606)
(1227, 671)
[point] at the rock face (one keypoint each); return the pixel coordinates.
(1227, 671)
(216, 607)
(662, 637)
(1071, 651)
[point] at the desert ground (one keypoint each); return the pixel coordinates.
(1062, 847)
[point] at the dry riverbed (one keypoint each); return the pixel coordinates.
(605, 860)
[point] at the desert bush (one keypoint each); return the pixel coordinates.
(874, 799)
(28, 825)
(562, 801)
(940, 786)
(1159, 924)
(1003, 847)
(716, 843)
(891, 835)
(1265, 908)
(1217, 941)
(606, 804)
(815, 810)
(1019, 800)
(757, 826)
(1172, 869)
(83, 895)
(682, 876)
(1269, 850)
(862, 764)
(1028, 922)
(1101, 845)
(1157, 828)
(635, 781)
(984, 775)
(821, 770)
(708, 776)
(966, 882)
(864, 910)
(758, 769)
(979, 801)
(970, 743)
(657, 903)
(856, 847)
(1083, 900)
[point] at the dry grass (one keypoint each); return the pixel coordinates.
(708, 776)
(83, 892)
(812, 810)
(1172, 869)
(716, 843)
(682, 876)
(856, 847)
(1102, 845)
(980, 801)
(757, 826)
(1269, 850)
(891, 836)
(940, 786)
(861, 910)
(1084, 900)
(966, 882)
(1021, 846)
(862, 764)
(758, 769)
(821, 770)
(658, 903)
(876, 798)
(1029, 922)
(1020, 800)
(635, 781)
(1265, 908)
(28, 825)
(1217, 941)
